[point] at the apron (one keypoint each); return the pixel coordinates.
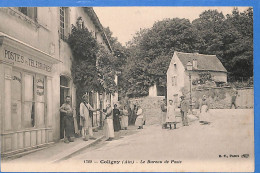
(204, 116)
(124, 121)
(109, 129)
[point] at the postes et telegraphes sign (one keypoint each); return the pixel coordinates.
(24, 60)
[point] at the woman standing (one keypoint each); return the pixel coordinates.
(116, 121)
(124, 118)
(109, 129)
(139, 120)
(204, 111)
(170, 117)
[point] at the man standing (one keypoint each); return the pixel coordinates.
(85, 120)
(67, 112)
(184, 111)
(164, 112)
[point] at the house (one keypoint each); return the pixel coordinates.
(179, 78)
(156, 90)
(35, 73)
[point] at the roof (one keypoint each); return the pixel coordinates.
(204, 62)
(94, 18)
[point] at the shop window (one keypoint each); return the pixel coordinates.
(29, 104)
(40, 100)
(16, 94)
(64, 22)
(31, 12)
(34, 101)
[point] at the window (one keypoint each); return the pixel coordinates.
(29, 104)
(40, 100)
(64, 21)
(31, 12)
(29, 99)
(16, 94)
(174, 81)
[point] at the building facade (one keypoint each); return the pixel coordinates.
(179, 78)
(35, 72)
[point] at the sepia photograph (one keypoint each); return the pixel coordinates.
(127, 89)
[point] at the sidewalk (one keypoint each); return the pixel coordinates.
(59, 151)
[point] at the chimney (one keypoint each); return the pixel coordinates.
(195, 64)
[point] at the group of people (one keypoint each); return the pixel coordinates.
(169, 114)
(114, 119)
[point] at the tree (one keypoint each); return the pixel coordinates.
(92, 64)
(231, 39)
(152, 49)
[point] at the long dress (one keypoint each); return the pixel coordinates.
(109, 129)
(139, 120)
(124, 119)
(204, 108)
(170, 114)
(116, 121)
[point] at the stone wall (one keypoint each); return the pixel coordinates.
(151, 108)
(220, 98)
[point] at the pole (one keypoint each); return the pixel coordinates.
(100, 112)
(190, 92)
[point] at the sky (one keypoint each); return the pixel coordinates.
(124, 22)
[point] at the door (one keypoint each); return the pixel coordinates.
(64, 91)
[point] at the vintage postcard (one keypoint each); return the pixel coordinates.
(127, 89)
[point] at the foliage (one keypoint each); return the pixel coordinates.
(229, 37)
(203, 77)
(92, 65)
(239, 84)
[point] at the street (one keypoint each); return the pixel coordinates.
(223, 144)
(230, 133)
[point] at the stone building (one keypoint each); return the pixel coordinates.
(179, 77)
(35, 72)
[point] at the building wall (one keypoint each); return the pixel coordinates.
(182, 86)
(174, 92)
(26, 30)
(40, 40)
(153, 91)
(35, 42)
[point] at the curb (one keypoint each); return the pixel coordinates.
(76, 149)
(26, 152)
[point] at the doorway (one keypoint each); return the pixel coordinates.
(64, 91)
